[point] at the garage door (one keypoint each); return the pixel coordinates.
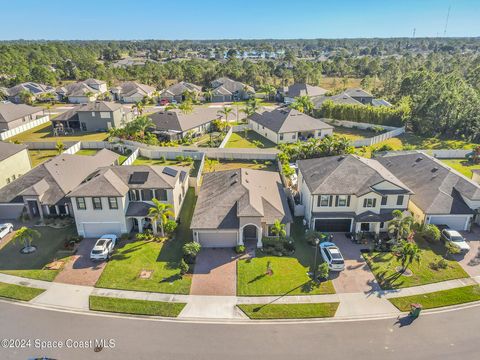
(99, 229)
(217, 239)
(453, 222)
(333, 225)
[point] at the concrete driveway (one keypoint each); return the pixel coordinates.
(80, 270)
(470, 262)
(215, 273)
(357, 276)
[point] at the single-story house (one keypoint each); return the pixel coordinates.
(236, 206)
(227, 90)
(177, 91)
(37, 90)
(132, 92)
(339, 99)
(93, 116)
(116, 199)
(285, 125)
(289, 93)
(15, 115)
(43, 190)
(360, 95)
(14, 162)
(442, 195)
(83, 91)
(349, 194)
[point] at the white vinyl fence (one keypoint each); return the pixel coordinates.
(226, 138)
(448, 154)
(22, 128)
(74, 148)
(379, 138)
(354, 124)
(131, 159)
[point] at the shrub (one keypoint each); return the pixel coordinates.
(190, 251)
(323, 271)
(180, 158)
(440, 264)
(184, 267)
(162, 159)
(431, 233)
(311, 235)
(240, 249)
(170, 226)
(146, 236)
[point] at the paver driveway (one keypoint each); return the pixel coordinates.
(470, 262)
(357, 276)
(215, 273)
(80, 270)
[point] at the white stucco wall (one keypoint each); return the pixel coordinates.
(14, 166)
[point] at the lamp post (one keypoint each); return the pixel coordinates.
(317, 241)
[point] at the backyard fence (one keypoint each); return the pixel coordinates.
(48, 145)
(379, 138)
(133, 156)
(73, 149)
(356, 125)
(226, 138)
(446, 154)
(22, 128)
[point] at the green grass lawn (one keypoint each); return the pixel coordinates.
(87, 152)
(235, 164)
(437, 299)
(353, 134)
(44, 133)
(383, 266)
(38, 157)
(289, 311)
(33, 265)
(194, 167)
(18, 292)
(238, 140)
(289, 272)
(137, 307)
(462, 166)
(123, 269)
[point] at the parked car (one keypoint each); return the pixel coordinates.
(454, 237)
(332, 256)
(164, 102)
(5, 229)
(103, 248)
(174, 102)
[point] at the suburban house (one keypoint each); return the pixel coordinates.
(15, 115)
(14, 94)
(132, 92)
(177, 91)
(289, 93)
(226, 90)
(43, 190)
(349, 194)
(175, 124)
(442, 195)
(93, 116)
(83, 91)
(14, 162)
(360, 95)
(235, 206)
(339, 99)
(116, 199)
(285, 125)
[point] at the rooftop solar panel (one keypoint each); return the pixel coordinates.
(170, 172)
(138, 177)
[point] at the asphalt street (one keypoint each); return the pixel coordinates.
(445, 335)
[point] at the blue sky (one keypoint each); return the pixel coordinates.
(216, 19)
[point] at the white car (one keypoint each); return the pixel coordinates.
(5, 229)
(103, 247)
(332, 256)
(454, 237)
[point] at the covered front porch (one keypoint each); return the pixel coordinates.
(138, 219)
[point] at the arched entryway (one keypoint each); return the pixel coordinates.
(252, 234)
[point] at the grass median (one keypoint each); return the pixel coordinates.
(136, 307)
(289, 311)
(437, 299)
(18, 292)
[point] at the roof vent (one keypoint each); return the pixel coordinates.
(233, 182)
(435, 169)
(418, 159)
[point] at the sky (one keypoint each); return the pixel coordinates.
(242, 19)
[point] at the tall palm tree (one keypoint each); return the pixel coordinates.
(303, 104)
(186, 106)
(407, 253)
(279, 229)
(160, 213)
(26, 236)
(208, 94)
(226, 111)
(143, 123)
(400, 226)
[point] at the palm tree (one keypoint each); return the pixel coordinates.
(225, 111)
(278, 229)
(60, 147)
(270, 90)
(400, 226)
(210, 163)
(186, 107)
(26, 236)
(26, 97)
(143, 123)
(160, 213)
(303, 104)
(208, 94)
(139, 107)
(89, 94)
(407, 252)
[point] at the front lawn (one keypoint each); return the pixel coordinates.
(384, 265)
(290, 273)
(289, 311)
(33, 265)
(221, 165)
(128, 261)
(437, 299)
(137, 307)
(238, 140)
(462, 166)
(17, 292)
(44, 133)
(38, 157)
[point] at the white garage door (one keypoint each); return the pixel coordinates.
(99, 229)
(217, 239)
(453, 222)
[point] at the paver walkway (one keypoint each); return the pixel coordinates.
(470, 262)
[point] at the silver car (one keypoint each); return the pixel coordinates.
(454, 237)
(103, 248)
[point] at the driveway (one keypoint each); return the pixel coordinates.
(215, 273)
(471, 261)
(357, 276)
(80, 270)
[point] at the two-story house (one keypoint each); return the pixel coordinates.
(12, 116)
(349, 194)
(117, 199)
(14, 162)
(83, 91)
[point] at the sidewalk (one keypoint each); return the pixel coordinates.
(352, 305)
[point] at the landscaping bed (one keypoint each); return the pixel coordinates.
(437, 299)
(289, 311)
(18, 292)
(136, 307)
(216, 165)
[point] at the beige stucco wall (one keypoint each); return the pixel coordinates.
(16, 165)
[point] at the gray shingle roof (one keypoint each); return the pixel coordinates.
(303, 90)
(11, 112)
(34, 88)
(346, 175)
(225, 85)
(104, 106)
(342, 98)
(438, 188)
(8, 149)
(284, 120)
(357, 92)
(227, 195)
(181, 87)
(131, 87)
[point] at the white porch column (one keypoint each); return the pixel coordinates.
(140, 224)
(240, 237)
(57, 209)
(40, 210)
(154, 226)
(259, 237)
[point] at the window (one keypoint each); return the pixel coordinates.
(294, 136)
(147, 194)
(112, 203)
(281, 137)
(342, 200)
(93, 113)
(319, 134)
(97, 203)
(365, 226)
(384, 200)
(400, 200)
(134, 195)
(324, 200)
(81, 203)
(368, 203)
(382, 224)
(161, 194)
